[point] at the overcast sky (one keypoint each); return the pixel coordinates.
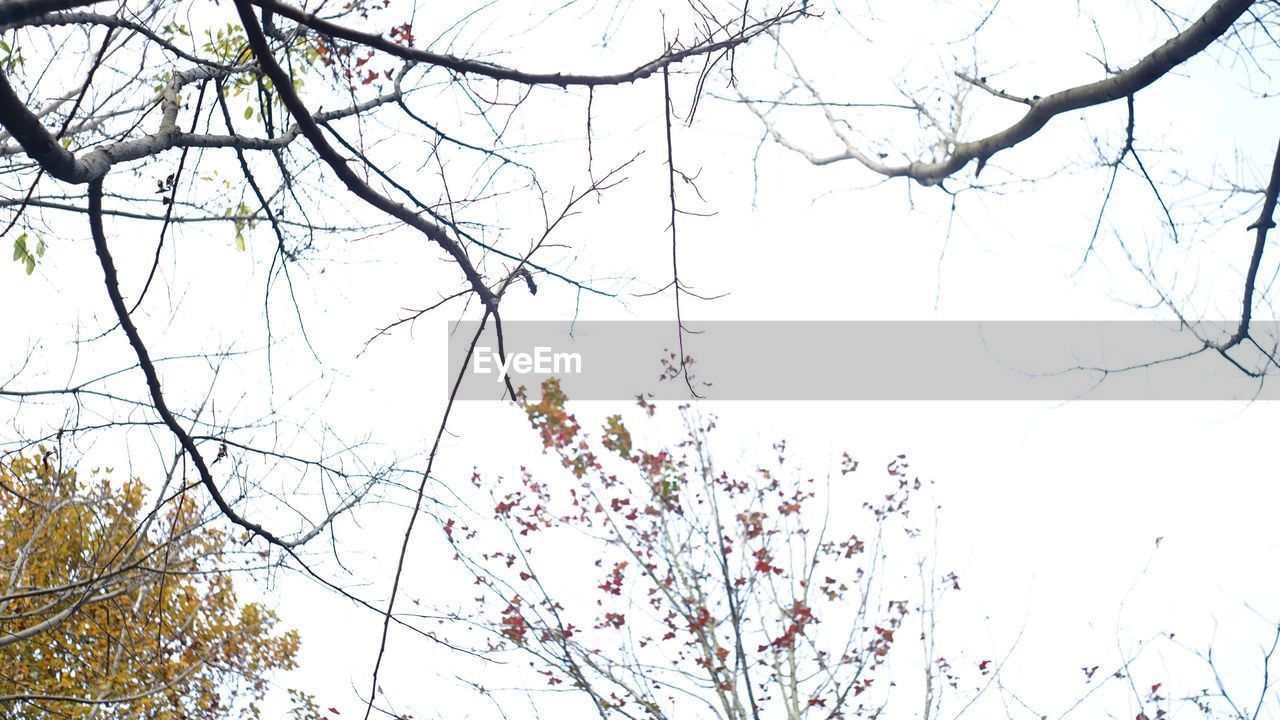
(1049, 511)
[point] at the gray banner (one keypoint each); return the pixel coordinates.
(816, 360)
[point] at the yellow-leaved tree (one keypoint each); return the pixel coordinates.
(113, 606)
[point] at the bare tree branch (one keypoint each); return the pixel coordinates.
(1211, 26)
(672, 56)
(15, 12)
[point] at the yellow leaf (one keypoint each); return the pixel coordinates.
(69, 532)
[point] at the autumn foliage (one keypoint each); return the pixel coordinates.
(661, 585)
(634, 578)
(112, 606)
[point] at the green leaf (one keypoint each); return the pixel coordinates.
(248, 112)
(23, 254)
(240, 242)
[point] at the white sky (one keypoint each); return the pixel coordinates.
(1049, 511)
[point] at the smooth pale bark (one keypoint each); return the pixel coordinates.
(1215, 23)
(14, 12)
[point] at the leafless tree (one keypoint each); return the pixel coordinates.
(955, 132)
(140, 119)
(145, 83)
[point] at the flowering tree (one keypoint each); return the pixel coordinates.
(655, 583)
(725, 593)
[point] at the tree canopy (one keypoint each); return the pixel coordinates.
(114, 606)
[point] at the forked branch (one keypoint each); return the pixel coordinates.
(1215, 23)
